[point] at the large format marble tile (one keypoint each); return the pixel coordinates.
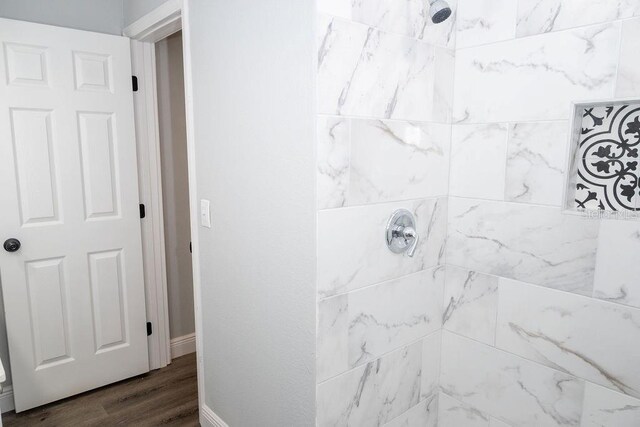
(443, 91)
(535, 78)
(453, 413)
(508, 387)
(392, 160)
(372, 394)
(431, 350)
(363, 71)
(628, 71)
(424, 414)
(470, 304)
(332, 339)
(535, 244)
(541, 16)
(352, 251)
(478, 155)
(485, 21)
(535, 162)
(332, 161)
(603, 407)
(406, 17)
(393, 314)
(617, 277)
(591, 339)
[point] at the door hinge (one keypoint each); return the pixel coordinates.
(134, 83)
(149, 328)
(190, 248)
(143, 211)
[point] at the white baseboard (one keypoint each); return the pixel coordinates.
(208, 418)
(6, 399)
(183, 345)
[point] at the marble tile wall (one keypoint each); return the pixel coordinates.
(511, 313)
(385, 89)
(541, 313)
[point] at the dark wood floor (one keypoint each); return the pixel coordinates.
(167, 396)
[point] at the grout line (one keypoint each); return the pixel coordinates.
(497, 314)
(420, 402)
(404, 276)
(511, 122)
(511, 202)
(542, 287)
(387, 202)
(615, 86)
(559, 31)
(384, 119)
(508, 353)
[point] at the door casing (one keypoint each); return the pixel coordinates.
(170, 17)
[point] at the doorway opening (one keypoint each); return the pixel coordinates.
(175, 193)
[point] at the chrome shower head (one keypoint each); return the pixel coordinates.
(439, 11)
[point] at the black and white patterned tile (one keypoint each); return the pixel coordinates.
(608, 175)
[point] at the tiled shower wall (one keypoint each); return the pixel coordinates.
(535, 320)
(542, 309)
(385, 85)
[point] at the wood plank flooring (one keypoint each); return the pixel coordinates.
(165, 397)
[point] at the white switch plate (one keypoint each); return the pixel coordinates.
(205, 215)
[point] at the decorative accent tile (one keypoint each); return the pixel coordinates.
(608, 176)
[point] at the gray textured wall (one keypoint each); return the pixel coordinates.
(254, 105)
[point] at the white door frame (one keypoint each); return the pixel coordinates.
(144, 33)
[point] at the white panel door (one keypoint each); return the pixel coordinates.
(73, 293)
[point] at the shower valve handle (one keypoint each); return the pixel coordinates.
(401, 235)
(411, 238)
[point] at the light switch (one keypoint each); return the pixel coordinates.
(205, 215)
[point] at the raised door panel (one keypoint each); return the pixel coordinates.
(99, 168)
(108, 300)
(93, 72)
(48, 307)
(26, 65)
(31, 132)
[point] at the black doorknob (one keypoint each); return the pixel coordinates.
(11, 245)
